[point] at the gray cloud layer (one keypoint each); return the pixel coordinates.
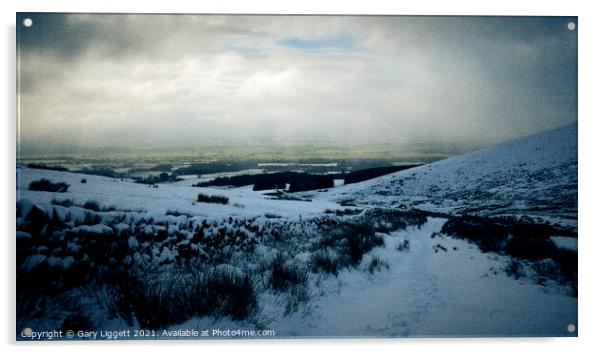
(166, 80)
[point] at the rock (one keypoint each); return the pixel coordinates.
(133, 242)
(32, 262)
(166, 256)
(22, 235)
(101, 229)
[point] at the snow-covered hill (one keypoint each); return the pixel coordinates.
(125, 194)
(534, 176)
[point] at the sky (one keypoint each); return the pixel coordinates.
(184, 81)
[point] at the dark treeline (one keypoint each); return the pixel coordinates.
(369, 173)
(311, 183)
(300, 181)
(214, 167)
(311, 177)
(166, 167)
(161, 178)
(297, 181)
(47, 186)
(45, 167)
(216, 199)
(101, 171)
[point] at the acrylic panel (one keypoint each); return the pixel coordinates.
(288, 176)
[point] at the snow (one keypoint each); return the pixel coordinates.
(121, 227)
(101, 229)
(568, 243)
(440, 286)
(534, 176)
(23, 235)
(457, 292)
(127, 195)
(78, 215)
(133, 242)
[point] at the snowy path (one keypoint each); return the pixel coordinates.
(426, 293)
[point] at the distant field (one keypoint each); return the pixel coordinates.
(271, 158)
(161, 166)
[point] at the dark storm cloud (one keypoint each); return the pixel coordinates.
(132, 79)
(64, 36)
(544, 56)
(52, 32)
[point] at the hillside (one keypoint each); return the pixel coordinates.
(534, 176)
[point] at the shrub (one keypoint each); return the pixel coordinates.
(348, 202)
(285, 274)
(34, 291)
(488, 235)
(325, 260)
(529, 247)
(567, 261)
(403, 246)
(232, 290)
(83, 180)
(47, 186)
(77, 322)
(547, 269)
(216, 199)
(162, 298)
(297, 295)
(176, 212)
(438, 247)
(91, 205)
(360, 243)
(376, 265)
(347, 211)
(523, 240)
(514, 269)
(345, 245)
(352, 240)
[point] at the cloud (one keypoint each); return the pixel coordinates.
(322, 45)
(166, 80)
